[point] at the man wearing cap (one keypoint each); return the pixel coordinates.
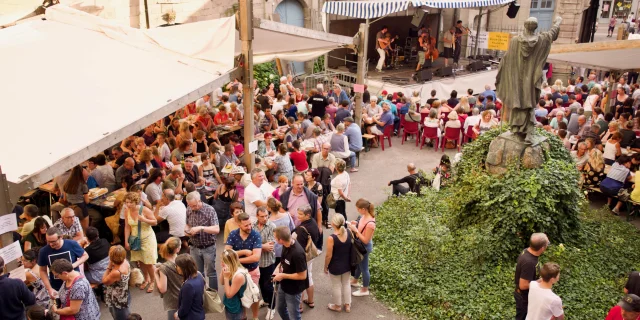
(527, 270)
(627, 309)
(354, 134)
(30, 213)
(256, 193)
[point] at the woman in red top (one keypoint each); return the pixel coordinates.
(299, 158)
(204, 118)
(221, 117)
(190, 109)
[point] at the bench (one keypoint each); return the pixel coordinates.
(366, 139)
(629, 203)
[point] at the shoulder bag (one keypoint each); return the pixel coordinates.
(211, 299)
(134, 241)
(310, 250)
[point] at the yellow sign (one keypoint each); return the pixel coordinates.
(498, 41)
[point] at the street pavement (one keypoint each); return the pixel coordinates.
(377, 168)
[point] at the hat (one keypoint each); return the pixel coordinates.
(384, 92)
(268, 135)
(238, 170)
(630, 303)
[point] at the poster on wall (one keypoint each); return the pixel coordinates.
(490, 40)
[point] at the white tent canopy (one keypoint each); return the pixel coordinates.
(379, 8)
(609, 55)
(76, 84)
(14, 10)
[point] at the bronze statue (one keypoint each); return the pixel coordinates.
(520, 76)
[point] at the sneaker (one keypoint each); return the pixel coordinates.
(360, 293)
(355, 285)
(271, 313)
(615, 212)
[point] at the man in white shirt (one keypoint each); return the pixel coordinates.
(175, 212)
(472, 120)
(256, 193)
(217, 95)
(543, 303)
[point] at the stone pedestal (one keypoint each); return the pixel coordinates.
(508, 148)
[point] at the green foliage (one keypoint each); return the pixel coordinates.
(318, 64)
(439, 256)
(266, 73)
(512, 206)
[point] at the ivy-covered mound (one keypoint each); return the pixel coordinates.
(451, 254)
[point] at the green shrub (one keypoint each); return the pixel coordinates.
(266, 73)
(451, 254)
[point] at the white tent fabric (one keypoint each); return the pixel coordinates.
(611, 55)
(269, 45)
(380, 8)
(71, 92)
(14, 10)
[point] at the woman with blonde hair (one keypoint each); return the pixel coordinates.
(184, 133)
(146, 162)
(234, 283)
(138, 222)
(363, 229)
(415, 98)
(116, 284)
(486, 123)
(591, 101)
(234, 112)
(204, 118)
(464, 104)
(168, 280)
(337, 263)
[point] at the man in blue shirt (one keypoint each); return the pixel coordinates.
(15, 296)
(488, 92)
(58, 248)
(354, 134)
(247, 243)
(342, 112)
(381, 121)
(394, 111)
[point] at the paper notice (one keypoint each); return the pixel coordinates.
(358, 88)
(253, 146)
(8, 223)
(19, 273)
(11, 252)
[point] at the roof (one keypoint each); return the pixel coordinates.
(609, 55)
(380, 8)
(76, 84)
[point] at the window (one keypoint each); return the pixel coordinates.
(534, 3)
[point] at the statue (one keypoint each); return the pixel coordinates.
(518, 86)
(520, 76)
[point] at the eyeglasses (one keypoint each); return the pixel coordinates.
(54, 241)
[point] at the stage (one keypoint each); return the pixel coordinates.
(400, 79)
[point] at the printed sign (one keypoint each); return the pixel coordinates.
(358, 88)
(490, 40)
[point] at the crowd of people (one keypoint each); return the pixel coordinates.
(182, 181)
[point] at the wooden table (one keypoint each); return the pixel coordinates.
(102, 201)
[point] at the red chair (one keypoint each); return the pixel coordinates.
(402, 122)
(422, 117)
(388, 131)
(430, 133)
(411, 128)
(470, 135)
(451, 134)
(444, 117)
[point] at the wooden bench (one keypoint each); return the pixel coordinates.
(366, 139)
(629, 203)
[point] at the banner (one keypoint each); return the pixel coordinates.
(490, 40)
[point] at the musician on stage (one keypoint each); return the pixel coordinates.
(459, 32)
(381, 43)
(423, 46)
(449, 42)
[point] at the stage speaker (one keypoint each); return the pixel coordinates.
(424, 76)
(512, 12)
(445, 71)
(351, 60)
(475, 66)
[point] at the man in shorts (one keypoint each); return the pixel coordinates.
(448, 45)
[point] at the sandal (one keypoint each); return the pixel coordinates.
(309, 304)
(347, 308)
(334, 307)
(151, 287)
(144, 285)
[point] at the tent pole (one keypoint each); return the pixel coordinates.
(246, 36)
(362, 67)
(475, 49)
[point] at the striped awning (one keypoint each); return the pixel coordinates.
(375, 9)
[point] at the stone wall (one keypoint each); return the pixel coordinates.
(571, 12)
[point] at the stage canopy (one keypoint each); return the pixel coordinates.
(608, 55)
(375, 9)
(75, 84)
(14, 10)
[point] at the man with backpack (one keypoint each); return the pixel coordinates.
(247, 243)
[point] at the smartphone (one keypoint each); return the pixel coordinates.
(58, 303)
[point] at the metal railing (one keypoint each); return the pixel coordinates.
(329, 77)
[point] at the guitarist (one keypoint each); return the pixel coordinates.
(459, 32)
(381, 43)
